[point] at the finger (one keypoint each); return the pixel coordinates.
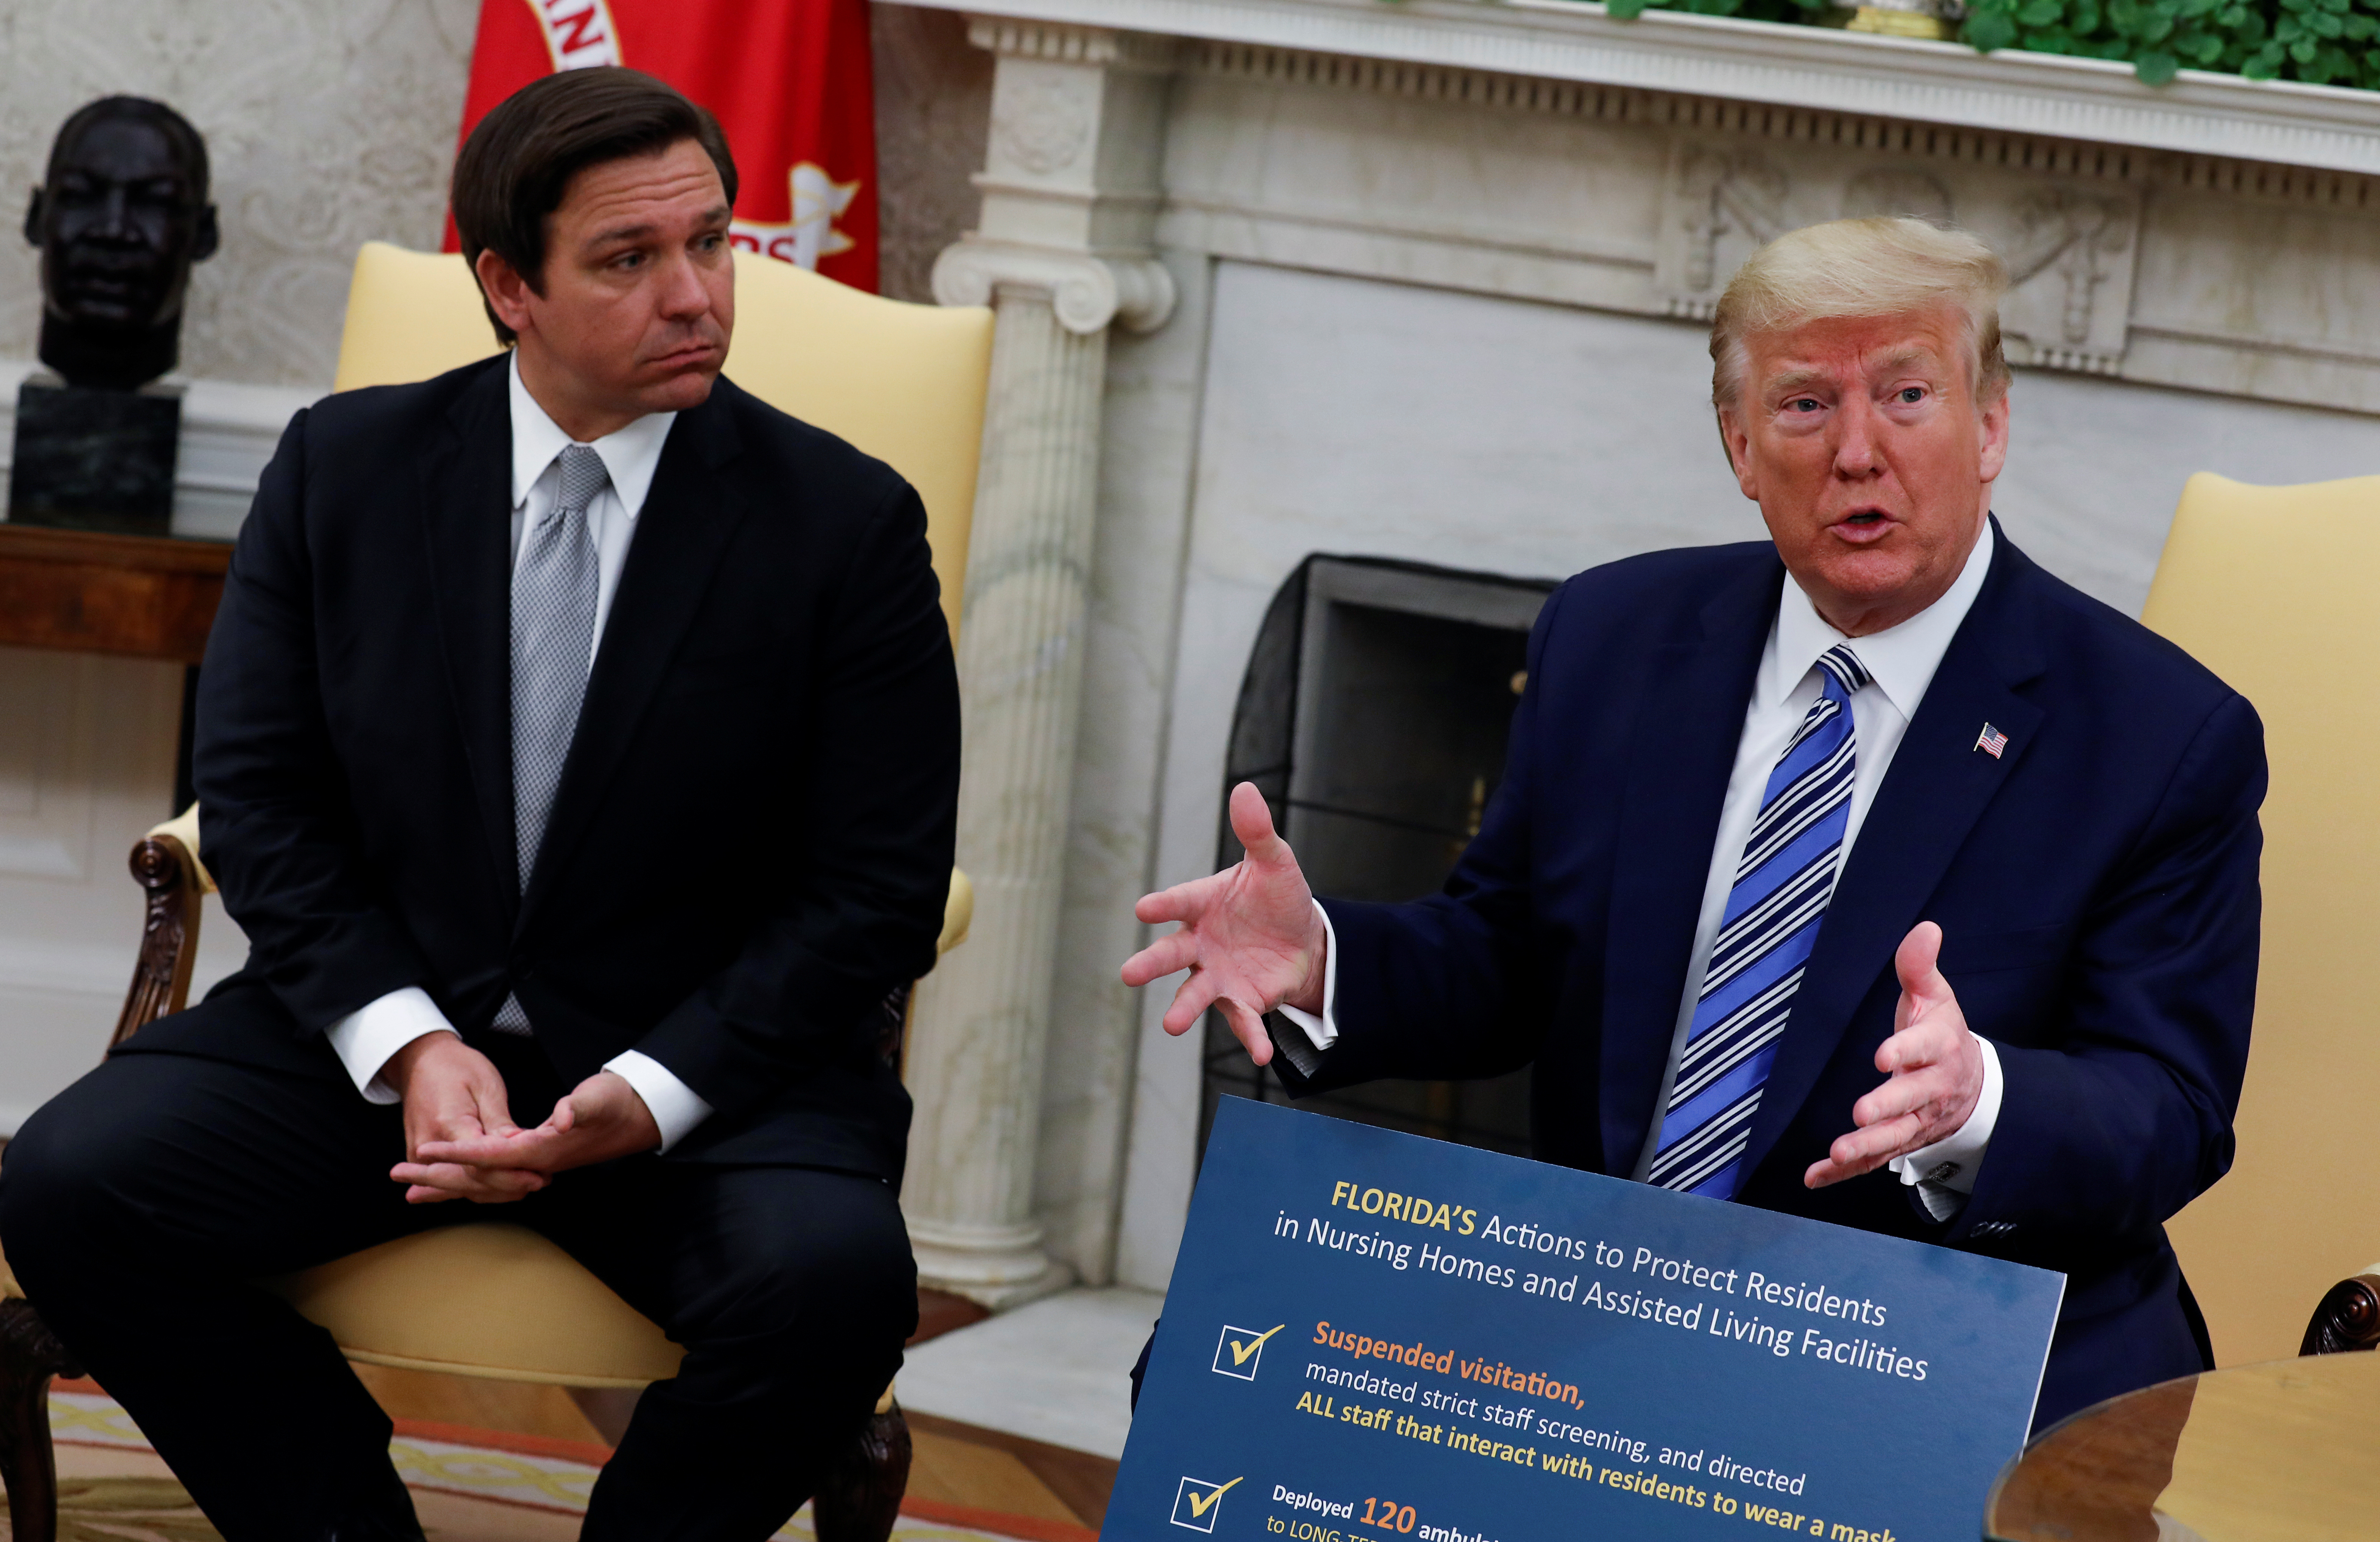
(429, 1174)
(1252, 823)
(478, 1192)
(1864, 1151)
(422, 1194)
(1168, 955)
(1194, 997)
(1924, 1091)
(1182, 902)
(535, 1151)
(463, 1179)
(1917, 963)
(1928, 1042)
(483, 1151)
(1249, 1028)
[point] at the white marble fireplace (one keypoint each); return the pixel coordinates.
(1428, 281)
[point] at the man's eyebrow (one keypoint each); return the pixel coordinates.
(620, 233)
(1793, 380)
(717, 215)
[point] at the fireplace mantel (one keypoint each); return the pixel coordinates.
(2282, 123)
(2215, 233)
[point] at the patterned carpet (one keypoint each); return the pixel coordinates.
(468, 1486)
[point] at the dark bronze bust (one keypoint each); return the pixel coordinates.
(120, 217)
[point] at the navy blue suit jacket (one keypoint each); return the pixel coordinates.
(2096, 884)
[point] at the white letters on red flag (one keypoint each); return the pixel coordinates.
(790, 81)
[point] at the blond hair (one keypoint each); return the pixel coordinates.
(1882, 265)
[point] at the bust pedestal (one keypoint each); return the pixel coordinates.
(88, 459)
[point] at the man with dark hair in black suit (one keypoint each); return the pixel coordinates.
(578, 747)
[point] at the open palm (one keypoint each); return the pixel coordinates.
(1250, 936)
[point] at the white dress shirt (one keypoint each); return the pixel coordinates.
(1901, 661)
(365, 1039)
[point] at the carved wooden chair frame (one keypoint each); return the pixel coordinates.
(856, 1501)
(2348, 1317)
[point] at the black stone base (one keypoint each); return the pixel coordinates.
(94, 460)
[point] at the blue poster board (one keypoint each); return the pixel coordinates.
(1375, 1337)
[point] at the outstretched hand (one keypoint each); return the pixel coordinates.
(1935, 1066)
(1250, 936)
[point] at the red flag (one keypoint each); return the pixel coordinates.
(790, 81)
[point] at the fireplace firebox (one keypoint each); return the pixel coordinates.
(1373, 717)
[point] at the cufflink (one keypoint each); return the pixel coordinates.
(1942, 1172)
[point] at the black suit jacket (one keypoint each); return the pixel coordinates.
(2096, 884)
(750, 844)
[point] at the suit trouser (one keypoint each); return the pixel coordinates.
(137, 1205)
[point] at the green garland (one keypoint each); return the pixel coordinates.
(2325, 42)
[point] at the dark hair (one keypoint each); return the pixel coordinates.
(173, 125)
(517, 163)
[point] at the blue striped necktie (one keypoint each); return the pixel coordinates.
(1766, 934)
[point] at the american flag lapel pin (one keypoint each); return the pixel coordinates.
(1991, 741)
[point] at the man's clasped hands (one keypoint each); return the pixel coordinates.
(461, 1143)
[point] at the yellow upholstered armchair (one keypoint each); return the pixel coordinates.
(904, 383)
(2278, 590)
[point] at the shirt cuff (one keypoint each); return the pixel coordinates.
(1322, 1030)
(367, 1037)
(1946, 1168)
(675, 1105)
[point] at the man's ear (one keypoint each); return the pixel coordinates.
(506, 290)
(206, 237)
(1994, 448)
(1737, 444)
(34, 218)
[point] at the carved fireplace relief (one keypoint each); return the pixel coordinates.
(2069, 240)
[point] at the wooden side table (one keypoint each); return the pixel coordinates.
(135, 595)
(2284, 1451)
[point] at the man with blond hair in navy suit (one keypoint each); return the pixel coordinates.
(1878, 797)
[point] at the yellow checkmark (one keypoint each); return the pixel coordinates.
(1241, 1352)
(1200, 1506)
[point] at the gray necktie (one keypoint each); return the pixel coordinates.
(553, 633)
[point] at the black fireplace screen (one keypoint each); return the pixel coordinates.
(1373, 717)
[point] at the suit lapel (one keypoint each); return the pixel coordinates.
(465, 503)
(682, 532)
(1676, 785)
(1937, 787)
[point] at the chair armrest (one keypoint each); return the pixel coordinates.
(184, 828)
(2348, 1317)
(176, 886)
